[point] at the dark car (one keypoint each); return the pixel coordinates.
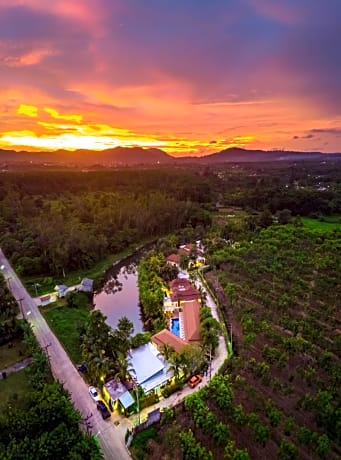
(82, 368)
(103, 410)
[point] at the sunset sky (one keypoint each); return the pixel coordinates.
(187, 76)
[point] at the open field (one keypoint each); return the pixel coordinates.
(14, 354)
(328, 224)
(65, 321)
(13, 387)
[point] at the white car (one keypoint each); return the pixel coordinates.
(94, 394)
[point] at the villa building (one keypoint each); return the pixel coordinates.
(195, 251)
(182, 291)
(182, 309)
(148, 369)
(86, 285)
(61, 289)
(174, 259)
(166, 337)
(118, 396)
(189, 316)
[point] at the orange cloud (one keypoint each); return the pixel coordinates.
(55, 114)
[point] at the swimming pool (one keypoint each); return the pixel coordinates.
(175, 326)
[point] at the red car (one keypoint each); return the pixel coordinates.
(194, 381)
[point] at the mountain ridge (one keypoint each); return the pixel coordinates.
(125, 156)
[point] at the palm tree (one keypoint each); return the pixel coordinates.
(176, 362)
(166, 350)
(121, 365)
(132, 373)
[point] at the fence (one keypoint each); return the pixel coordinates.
(153, 417)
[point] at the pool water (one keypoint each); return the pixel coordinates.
(175, 326)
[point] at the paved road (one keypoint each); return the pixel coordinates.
(110, 438)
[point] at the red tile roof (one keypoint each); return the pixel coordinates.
(166, 337)
(183, 290)
(191, 320)
(174, 258)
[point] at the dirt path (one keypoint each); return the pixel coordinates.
(16, 367)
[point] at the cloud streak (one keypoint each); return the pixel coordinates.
(266, 70)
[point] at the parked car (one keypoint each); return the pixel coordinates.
(82, 368)
(103, 410)
(94, 394)
(194, 381)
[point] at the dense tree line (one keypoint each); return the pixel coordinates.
(45, 424)
(153, 274)
(304, 188)
(9, 324)
(59, 222)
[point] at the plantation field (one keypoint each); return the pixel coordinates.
(278, 397)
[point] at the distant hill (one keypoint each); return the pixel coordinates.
(128, 156)
(118, 156)
(242, 155)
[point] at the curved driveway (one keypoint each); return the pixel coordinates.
(109, 436)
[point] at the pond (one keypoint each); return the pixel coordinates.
(120, 297)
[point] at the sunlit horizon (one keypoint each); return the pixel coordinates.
(190, 80)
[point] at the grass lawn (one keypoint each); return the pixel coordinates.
(9, 356)
(328, 224)
(15, 386)
(63, 321)
(140, 440)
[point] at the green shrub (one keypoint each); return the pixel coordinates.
(149, 400)
(171, 388)
(141, 439)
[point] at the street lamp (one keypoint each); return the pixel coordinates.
(35, 286)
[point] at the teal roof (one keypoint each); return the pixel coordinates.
(126, 400)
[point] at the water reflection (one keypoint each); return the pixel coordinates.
(120, 297)
(116, 281)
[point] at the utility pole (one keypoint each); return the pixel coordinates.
(47, 353)
(21, 308)
(210, 362)
(132, 373)
(138, 401)
(88, 423)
